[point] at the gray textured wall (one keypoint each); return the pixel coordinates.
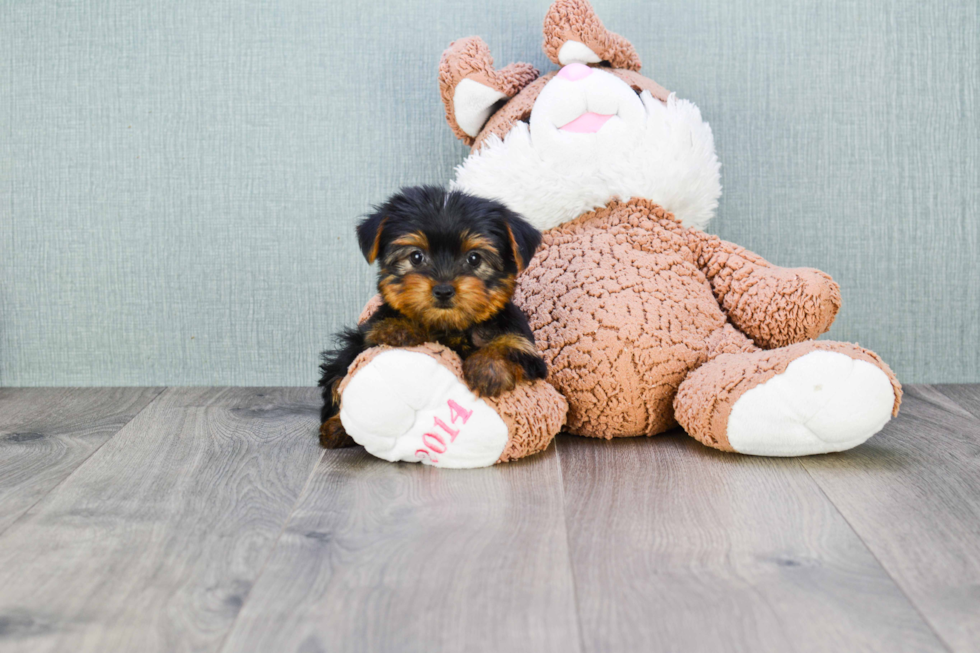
(179, 180)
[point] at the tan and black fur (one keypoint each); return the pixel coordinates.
(448, 266)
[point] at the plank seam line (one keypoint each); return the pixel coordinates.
(83, 461)
(272, 550)
(568, 548)
(868, 548)
(961, 405)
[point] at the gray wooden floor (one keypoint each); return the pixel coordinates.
(207, 519)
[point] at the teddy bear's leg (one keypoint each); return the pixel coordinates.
(413, 405)
(808, 398)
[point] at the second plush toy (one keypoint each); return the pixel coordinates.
(645, 321)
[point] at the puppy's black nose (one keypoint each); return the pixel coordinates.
(443, 291)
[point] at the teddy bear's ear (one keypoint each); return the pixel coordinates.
(472, 89)
(574, 34)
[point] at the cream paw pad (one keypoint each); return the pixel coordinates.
(406, 406)
(824, 401)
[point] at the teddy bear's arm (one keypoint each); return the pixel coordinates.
(772, 305)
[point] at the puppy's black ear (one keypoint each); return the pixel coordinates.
(369, 235)
(524, 239)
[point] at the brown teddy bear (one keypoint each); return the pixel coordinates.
(646, 321)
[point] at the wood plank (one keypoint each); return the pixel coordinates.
(257, 399)
(383, 557)
(965, 396)
(45, 433)
(153, 544)
(913, 495)
(950, 398)
(677, 547)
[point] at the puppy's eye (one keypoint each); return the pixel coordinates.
(416, 258)
(474, 259)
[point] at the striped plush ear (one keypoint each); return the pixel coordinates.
(472, 89)
(574, 34)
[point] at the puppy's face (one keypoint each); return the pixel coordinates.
(445, 280)
(447, 259)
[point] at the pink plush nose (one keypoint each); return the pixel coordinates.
(574, 72)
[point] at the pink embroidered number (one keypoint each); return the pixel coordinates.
(435, 443)
(422, 454)
(430, 439)
(456, 411)
(448, 429)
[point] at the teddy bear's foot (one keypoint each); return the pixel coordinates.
(809, 398)
(412, 405)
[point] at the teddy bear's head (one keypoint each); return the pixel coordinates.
(555, 146)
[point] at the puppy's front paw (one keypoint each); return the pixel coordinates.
(489, 375)
(535, 368)
(396, 333)
(333, 435)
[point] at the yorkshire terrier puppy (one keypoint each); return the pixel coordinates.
(448, 264)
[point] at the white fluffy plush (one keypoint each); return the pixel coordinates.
(392, 406)
(473, 103)
(575, 51)
(661, 152)
(824, 401)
